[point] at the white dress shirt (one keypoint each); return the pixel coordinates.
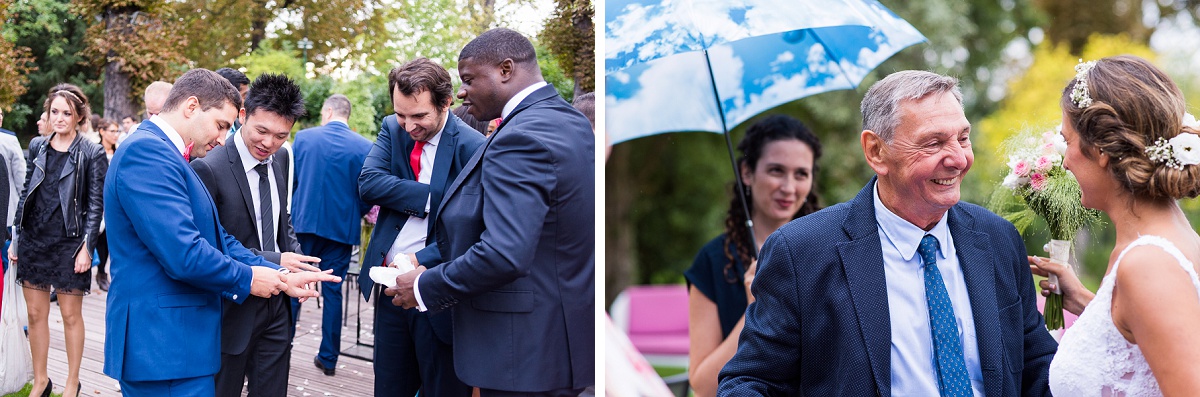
(248, 163)
(413, 235)
(509, 107)
(912, 358)
(172, 135)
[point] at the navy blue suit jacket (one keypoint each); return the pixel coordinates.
(172, 263)
(325, 201)
(519, 225)
(819, 325)
(387, 180)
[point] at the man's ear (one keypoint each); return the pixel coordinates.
(507, 66)
(874, 150)
(191, 106)
(241, 116)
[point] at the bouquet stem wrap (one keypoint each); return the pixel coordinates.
(1060, 251)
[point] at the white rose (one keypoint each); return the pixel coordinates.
(1060, 144)
(1190, 121)
(1012, 181)
(1185, 148)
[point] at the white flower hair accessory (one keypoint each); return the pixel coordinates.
(1180, 151)
(1079, 94)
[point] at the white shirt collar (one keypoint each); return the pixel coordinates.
(516, 99)
(905, 236)
(172, 134)
(433, 142)
(248, 160)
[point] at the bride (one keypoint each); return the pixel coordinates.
(1135, 153)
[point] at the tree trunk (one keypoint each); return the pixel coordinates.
(118, 102)
(619, 251)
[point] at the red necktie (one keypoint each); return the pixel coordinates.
(414, 159)
(187, 153)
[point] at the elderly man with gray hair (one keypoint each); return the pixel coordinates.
(904, 290)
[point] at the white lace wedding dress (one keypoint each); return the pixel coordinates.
(1093, 358)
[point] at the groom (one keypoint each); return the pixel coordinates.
(919, 294)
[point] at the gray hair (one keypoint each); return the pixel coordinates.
(338, 104)
(881, 105)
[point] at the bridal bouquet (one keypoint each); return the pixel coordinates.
(1037, 186)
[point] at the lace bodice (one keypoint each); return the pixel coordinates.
(1093, 358)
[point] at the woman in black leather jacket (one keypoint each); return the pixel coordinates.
(58, 220)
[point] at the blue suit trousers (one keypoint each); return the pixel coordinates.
(336, 256)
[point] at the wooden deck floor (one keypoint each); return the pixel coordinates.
(354, 376)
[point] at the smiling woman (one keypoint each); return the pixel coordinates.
(779, 165)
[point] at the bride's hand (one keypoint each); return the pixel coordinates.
(1075, 295)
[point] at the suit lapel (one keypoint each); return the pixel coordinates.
(979, 272)
(541, 94)
(862, 262)
(441, 166)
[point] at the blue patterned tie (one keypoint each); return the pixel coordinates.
(951, 367)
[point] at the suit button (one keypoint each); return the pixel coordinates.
(234, 296)
(383, 255)
(397, 228)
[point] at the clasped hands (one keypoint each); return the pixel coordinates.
(269, 282)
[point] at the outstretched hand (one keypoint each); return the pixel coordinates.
(298, 263)
(299, 285)
(1075, 295)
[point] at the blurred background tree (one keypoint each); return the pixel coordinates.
(667, 195)
(114, 48)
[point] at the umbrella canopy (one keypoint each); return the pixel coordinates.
(670, 64)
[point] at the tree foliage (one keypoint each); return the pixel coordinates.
(15, 63)
(55, 37)
(571, 36)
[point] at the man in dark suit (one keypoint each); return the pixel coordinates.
(248, 181)
(172, 262)
(903, 290)
(326, 211)
(518, 229)
(420, 150)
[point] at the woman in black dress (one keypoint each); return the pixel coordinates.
(778, 166)
(58, 220)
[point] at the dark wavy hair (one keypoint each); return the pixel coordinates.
(758, 136)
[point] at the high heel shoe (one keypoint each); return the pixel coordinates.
(49, 386)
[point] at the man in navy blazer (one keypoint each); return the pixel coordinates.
(172, 262)
(904, 290)
(326, 211)
(518, 230)
(412, 349)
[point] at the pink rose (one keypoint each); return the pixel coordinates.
(373, 215)
(1043, 163)
(1037, 181)
(1021, 168)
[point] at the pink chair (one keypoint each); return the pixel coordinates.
(656, 319)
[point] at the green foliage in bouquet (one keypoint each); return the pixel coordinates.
(1038, 186)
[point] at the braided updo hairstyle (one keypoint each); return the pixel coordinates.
(1133, 105)
(758, 136)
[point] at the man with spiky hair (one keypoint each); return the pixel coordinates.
(247, 179)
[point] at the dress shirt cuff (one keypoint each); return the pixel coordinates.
(417, 292)
(428, 198)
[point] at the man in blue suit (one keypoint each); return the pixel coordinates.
(518, 229)
(173, 263)
(326, 211)
(420, 150)
(904, 290)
